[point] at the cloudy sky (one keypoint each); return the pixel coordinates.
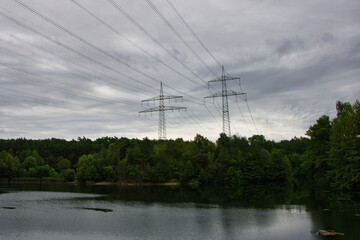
(81, 67)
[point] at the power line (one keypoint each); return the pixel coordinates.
(248, 107)
(142, 29)
(92, 45)
(72, 49)
(80, 65)
(133, 43)
(242, 115)
(57, 86)
(70, 92)
(252, 117)
(113, 81)
(27, 7)
(192, 32)
(224, 96)
(161, 109)
(194, 120)
(212, 114)
(192, 124)
(157, 11)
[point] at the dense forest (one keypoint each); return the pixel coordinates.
(329, 158)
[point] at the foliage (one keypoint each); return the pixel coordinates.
(345, 146)
(329, 155)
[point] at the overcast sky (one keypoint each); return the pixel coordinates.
(81, 68)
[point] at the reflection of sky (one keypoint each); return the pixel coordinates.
(39, 215)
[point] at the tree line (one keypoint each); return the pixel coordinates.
(328, 158)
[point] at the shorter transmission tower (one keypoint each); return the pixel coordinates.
(161, 109)
(224, 96)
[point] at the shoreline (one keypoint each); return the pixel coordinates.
(103, 183)
(134, 184)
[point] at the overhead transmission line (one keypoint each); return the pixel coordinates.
(45, 101)
(73, 50)
(242, 115)
(251, 116)
(224, 96)
(91, 45)
(27, 7)
(67, 90)
(81, 54)
(161, 109)
(133, 43)
(249, 111)
(208, 51)
(32, 10)
(142, 29)
(58, 43)
(57, 86)
(113, 81)
(136, 45)
(82, 40)
(157, 11)
(192, 32)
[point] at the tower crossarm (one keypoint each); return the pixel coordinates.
(165, 108)
(231, 93)
(223, 78)
(224, 94)
(165, 97)
(162, 109)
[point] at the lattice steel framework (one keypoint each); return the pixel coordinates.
(161, 109)
(224, 97)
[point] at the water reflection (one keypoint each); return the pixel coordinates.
(114, 212)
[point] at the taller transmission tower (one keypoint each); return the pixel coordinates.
(161, 109)
(224, 96)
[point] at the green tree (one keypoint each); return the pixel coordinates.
(9, 166)
(68, 175)
(121, 170)
(43, 171)
(29, 162)
(63, 164)
(345, 146)
(162, 167)
(110, 174)
(188, 173)
(280, 168)
(32, 173)
(148, 173)
(91, 174)
(316, 164)
(81, 171)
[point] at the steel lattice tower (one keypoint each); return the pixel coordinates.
(162, 121)
(224, 97)
(161, 109)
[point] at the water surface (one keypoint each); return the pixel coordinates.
(112, 212)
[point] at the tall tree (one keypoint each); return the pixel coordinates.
(345, 146)
(316, 164)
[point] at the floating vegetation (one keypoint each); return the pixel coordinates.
(329, 233)
(98, 209)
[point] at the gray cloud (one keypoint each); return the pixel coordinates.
(295, 61)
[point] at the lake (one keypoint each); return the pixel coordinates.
(63, 211)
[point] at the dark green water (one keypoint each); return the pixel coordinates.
(112, 212)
